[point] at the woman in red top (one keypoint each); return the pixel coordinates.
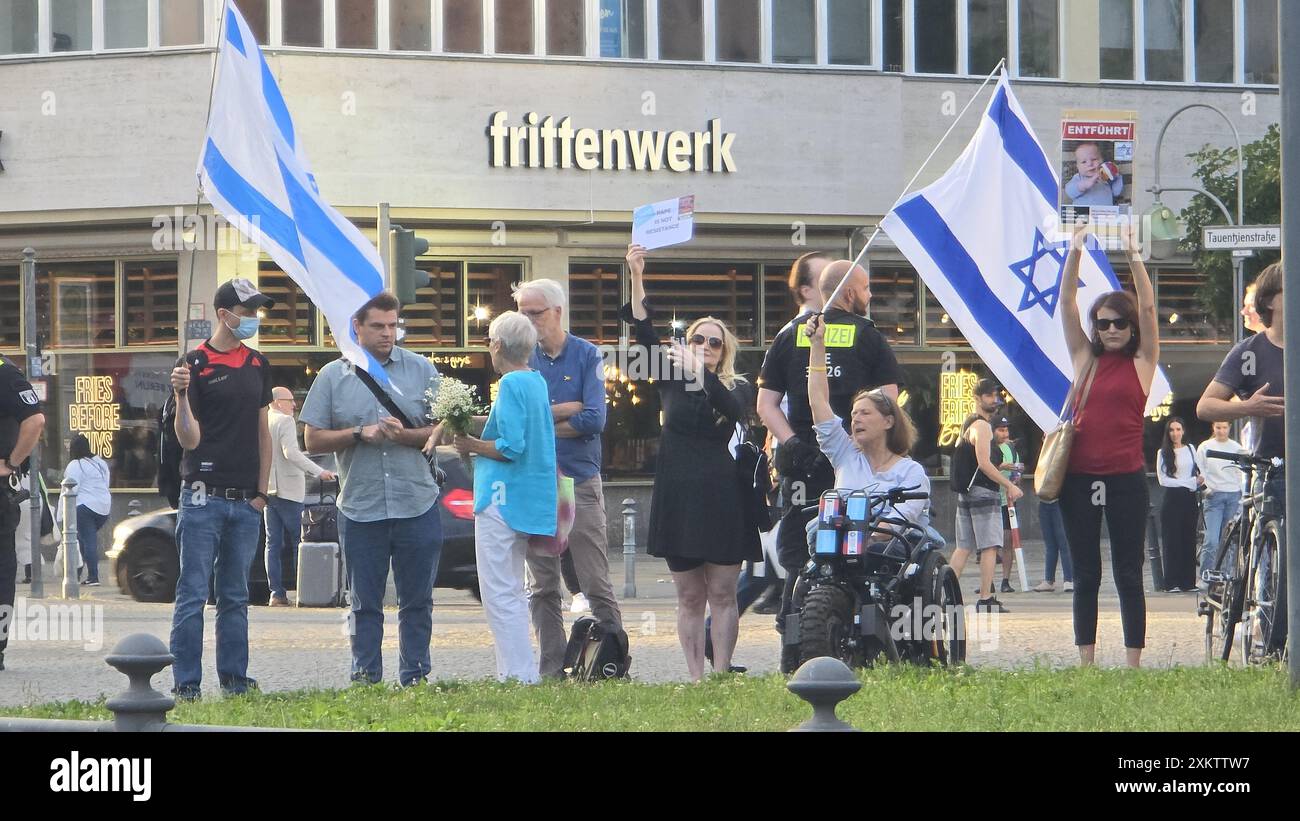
(1107, 471)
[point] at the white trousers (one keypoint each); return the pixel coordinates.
(500, 552)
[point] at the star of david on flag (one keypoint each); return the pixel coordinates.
(986, 241)
(255, 173)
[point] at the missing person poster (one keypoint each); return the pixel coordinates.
(1097, 177)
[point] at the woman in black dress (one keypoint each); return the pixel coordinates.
(697, 519)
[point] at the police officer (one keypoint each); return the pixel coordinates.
(857, 357)
(21, 422)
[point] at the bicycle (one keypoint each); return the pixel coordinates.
(1247, 584)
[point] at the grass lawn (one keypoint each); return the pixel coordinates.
(891, 698)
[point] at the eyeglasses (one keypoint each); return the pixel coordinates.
(536, 314)
(1119, 324)
(713, 341)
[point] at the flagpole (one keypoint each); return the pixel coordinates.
(856, 260)
(183, 319)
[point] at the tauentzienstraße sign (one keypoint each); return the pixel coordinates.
(1241, 237)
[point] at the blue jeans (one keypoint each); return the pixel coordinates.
(1053, 526)
(1220, 506)
(218, 536)
(412, 546)
(88, 525)
(283, 530)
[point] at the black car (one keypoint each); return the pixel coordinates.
(146, 562)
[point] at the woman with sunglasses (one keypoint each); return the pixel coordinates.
(875, 457)
(1106, 470)
(697, 519)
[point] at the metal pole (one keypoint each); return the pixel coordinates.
(1238, 293)
(629, 548)
(34, 370)
(1290, 88)
(71, 547)
(383, 226)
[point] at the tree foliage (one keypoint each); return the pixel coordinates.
(1216, 168)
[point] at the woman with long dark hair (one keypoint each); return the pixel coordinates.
(1180, 476)
(94, 502)
(1107, 473)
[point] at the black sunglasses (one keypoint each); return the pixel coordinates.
(1105, 324)
(713, 341)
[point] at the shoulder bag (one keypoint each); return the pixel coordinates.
(1054, 458)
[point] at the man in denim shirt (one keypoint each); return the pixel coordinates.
(575, 380)
(386, 493)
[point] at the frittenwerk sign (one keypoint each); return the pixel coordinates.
(548, 143)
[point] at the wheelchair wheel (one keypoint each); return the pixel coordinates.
(943, 640)
(827, 629)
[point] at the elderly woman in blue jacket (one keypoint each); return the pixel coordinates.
(514, 491)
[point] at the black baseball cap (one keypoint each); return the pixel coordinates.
(1001, 422)
(987, 386)
(241, 292)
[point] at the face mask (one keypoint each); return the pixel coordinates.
(247, 329)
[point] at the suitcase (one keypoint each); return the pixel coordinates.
(321, 582)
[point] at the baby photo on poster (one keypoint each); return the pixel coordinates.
(1097, 177)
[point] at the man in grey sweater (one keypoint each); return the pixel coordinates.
(286, 489)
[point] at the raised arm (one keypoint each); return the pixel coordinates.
(636, 267)
(1148, 353)
(1076, 340)
(819, 388)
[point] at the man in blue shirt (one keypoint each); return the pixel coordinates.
(387, 494)
(575, 379)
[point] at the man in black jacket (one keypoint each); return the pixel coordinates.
(21, 423)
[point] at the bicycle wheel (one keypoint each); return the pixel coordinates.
(1271, 596)
(1223, 615)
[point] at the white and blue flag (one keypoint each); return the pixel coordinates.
(985, 239)
(255, 173)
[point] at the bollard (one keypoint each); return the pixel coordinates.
(629, 548)
(71, 547)
(140, 708)
(824, 682)
(1153, 552)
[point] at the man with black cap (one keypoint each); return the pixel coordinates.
(223, 390)
(21, 423)
(1010, 467)
(977, 481)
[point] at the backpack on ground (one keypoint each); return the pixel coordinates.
(596, 651)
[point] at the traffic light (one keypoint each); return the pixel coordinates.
(405, 246)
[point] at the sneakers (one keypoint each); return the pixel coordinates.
(580, 604)
(1069, 587)
(279, 601)
(1043, 587)
(770, 604)
(90, 583)
(1006, 586)
(990, 605)
(190, 693)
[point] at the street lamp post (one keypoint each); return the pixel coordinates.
(1238, 263)
(1290, 88)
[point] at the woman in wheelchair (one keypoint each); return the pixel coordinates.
(875, 458)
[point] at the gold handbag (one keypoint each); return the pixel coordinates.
(1054, 458)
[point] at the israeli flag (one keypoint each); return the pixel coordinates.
(255, 173)
(986, 241)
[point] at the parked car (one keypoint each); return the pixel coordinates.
(146, 562)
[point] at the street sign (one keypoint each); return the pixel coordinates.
(1241, 237)
(198, 329)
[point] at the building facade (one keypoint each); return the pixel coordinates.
(517, 136)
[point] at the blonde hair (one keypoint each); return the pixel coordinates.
(727, 360)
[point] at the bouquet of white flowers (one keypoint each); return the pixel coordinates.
(454, 404)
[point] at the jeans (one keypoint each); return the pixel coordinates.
(1220, 506)
(1049, 518)
(216, 536)
(412, 546)
(283, 531)
(88, 525)
(1124, 499)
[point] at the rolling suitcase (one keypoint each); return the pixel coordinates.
(320, 575)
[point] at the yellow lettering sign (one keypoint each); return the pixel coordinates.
(94, 413)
